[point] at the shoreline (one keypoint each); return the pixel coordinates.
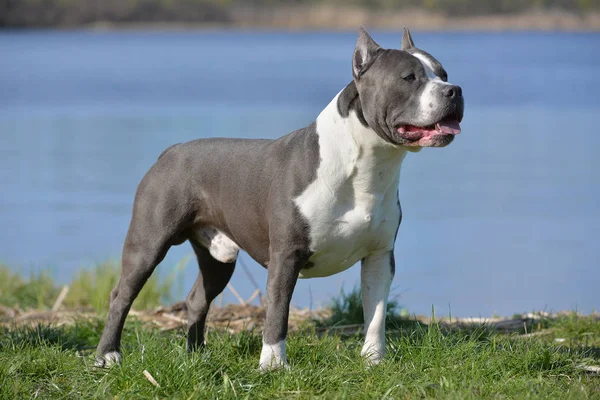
(38, 297)
(244, 316)
(308, 18)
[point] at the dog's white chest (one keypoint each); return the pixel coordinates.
(352, 206)
(345, 231)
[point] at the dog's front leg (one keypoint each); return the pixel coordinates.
(283, 271)
(377, 272)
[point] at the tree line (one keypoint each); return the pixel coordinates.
(53, 13)
(448, 7)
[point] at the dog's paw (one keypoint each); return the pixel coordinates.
(273, 366)
(372, 361)
(108, 359)
(273, 356)
(372, 354)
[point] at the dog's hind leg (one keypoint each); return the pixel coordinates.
(138, 262)
(213, 276)
(157, 222)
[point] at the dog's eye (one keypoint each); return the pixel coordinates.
(410, 78)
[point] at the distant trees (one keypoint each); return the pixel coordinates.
(449, 7)
(51, 13)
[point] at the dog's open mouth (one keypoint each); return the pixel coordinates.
(446, 126)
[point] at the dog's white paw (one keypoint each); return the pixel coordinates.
(273, 356)
(372, 353)
(108, 359)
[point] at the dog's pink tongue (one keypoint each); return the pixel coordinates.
(450, 126)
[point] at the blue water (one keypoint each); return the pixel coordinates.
(505, 220)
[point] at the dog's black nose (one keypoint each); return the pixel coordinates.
(452, 91)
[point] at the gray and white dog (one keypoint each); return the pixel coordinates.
(309, 204)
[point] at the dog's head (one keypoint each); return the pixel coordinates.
(405, 95)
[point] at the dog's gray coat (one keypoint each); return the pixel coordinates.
(311, 203)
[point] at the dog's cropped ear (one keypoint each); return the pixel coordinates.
(364, 53)
(407, 41)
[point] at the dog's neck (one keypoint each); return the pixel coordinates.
(347, 143)
(349, 109)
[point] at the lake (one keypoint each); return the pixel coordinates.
(504, 220)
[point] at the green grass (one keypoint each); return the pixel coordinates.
(423, 361)
(56, 362)
(35, 291)
(89, 289)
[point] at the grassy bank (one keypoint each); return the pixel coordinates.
(554, 357)
(423, 362)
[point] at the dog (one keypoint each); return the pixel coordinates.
(309, 204)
